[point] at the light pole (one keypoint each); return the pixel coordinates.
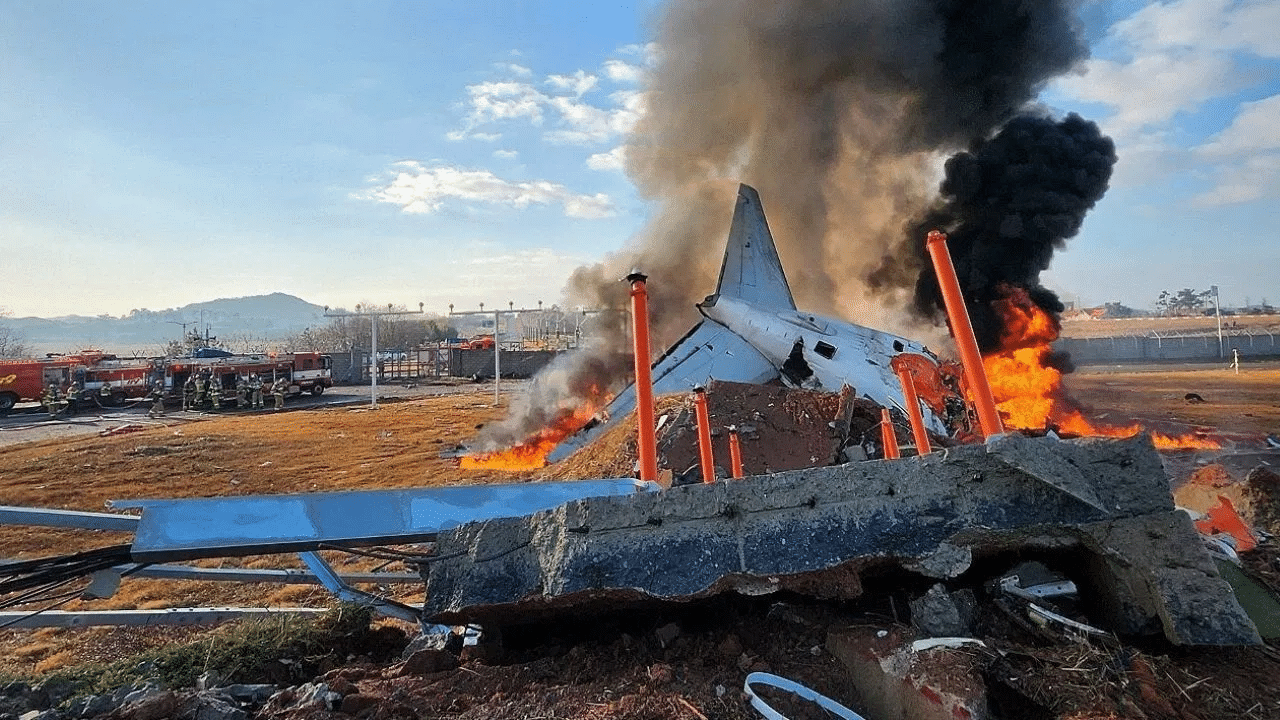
(1217, 313)
(184, 327)
(373, 351)
(497, 342)
(497, 336)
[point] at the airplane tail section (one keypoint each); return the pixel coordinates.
(752, 271)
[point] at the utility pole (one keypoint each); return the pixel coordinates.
(373, 316)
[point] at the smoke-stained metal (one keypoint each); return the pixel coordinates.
(962, 330)
(706, 456)
(646, 438)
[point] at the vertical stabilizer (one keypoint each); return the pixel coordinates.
(752, 271)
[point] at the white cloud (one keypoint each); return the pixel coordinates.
(505, 154)
(1181, 54)
(588, 124)
(580, 122)
(1247, 154)
(456, 135)
(1223, 25)
(1255, 128)
(615, 159)
(623, 72)
(647, 52)
(417, 188)
(514, 69)
(1256, 177)
(579, 83)
(1151, 89)
(505, 101)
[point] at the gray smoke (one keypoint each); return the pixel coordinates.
(837, 112)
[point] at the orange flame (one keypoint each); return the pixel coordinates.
(1028, 390)
(531, 453)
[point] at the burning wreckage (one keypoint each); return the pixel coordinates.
(1098, 511)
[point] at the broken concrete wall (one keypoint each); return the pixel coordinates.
(815, 530)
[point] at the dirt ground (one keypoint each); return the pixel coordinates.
(1243, 407)
(625, 669)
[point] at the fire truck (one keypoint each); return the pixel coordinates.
(126, 378)
(306, 372)
(25, 380)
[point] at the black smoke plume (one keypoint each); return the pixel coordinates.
(1007, 204)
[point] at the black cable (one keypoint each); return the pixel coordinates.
(29, 574)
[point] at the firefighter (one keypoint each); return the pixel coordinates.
(242, 392)
(157, 400)
(277, 390)
(51, 400)
(104, 394)
(73, 397)
(255, 387)
(202, 385)
(189, 392)
(215, 391)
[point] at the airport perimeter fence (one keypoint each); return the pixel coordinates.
(1252, 344)
(438, 362)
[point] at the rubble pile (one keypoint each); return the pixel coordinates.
(780, 428)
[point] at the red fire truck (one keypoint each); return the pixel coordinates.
(306, 372)
(26, 380)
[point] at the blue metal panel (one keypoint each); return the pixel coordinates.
(182, 529)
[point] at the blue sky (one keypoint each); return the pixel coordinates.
(154, 154)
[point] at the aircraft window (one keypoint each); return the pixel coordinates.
(826, 350)
(897, 345)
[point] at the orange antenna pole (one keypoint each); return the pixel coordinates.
(962, 330)
(913, 411)
(735, 452)
(646, 439)
(705, 455)
(887, 435)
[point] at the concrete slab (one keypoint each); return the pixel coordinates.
(816, 531)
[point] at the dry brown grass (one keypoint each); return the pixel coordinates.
(1167, 325)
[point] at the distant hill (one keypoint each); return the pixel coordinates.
(238, 323)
